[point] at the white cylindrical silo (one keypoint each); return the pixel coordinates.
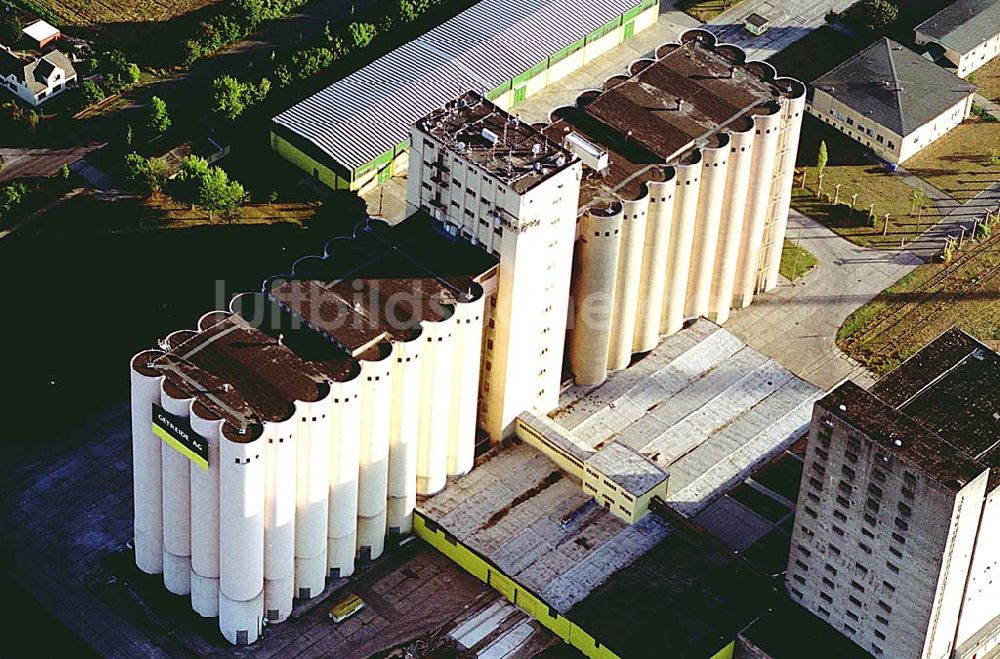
(467, 345)
(595, 273)
(787, 150)
(280, 461)
(345, 442)
(404, 430)
(652, 283)
(312, 509)
(373, 456)
(627, 282)
(435, 404)
(241, 533)
(731, 225)
(147, 476)
(681, 238)
(205, 516)
(765, 149)
(176, 470)
(714, 164)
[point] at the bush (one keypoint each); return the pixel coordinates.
(11, 196)
(93, 93)
(983, 114)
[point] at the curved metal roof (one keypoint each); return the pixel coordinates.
(359, 117)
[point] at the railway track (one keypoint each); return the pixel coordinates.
(923, 294)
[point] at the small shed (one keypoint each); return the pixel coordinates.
(756, 24)
(41, 33)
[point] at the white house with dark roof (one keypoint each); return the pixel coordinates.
(964, 35)
(891, 99)
(36, 81)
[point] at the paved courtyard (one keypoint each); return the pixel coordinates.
(797, 324)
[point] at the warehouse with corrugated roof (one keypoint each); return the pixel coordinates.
(354, 134)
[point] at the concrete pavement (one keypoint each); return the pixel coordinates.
(797, 324)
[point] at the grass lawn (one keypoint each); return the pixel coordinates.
(921, 305)
(987, 78)
(849, 166)
(795, 261)
(706, 10)
(957, 163)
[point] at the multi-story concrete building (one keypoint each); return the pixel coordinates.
(679, 209)
(896, 540)
(963, 36)
(891, 99)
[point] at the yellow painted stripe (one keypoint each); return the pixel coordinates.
(180, 448)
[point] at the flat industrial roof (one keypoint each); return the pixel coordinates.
(624, 584)
(250, 366)
(659, 112)
(358, 118)
(951, 388)
(702, 405)
(510, 150)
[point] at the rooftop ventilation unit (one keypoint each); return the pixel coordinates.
(490, 136)
(589, 153)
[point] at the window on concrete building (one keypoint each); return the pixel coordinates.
(852, 615)
(834, 550)
(854, 600)
(837, 530)
(876, 650)
(885, 607)
(858, 587)
(865, 548)
(849, 630)
(888, 586)
(824, 612)
(860, 568)
(892, 567)
(898, 538)
(829, 568)
(828, 583)
(905, 510)
(895, 552)
(848, 472)
(879, 635)
(868, 534)
(840, 515)
(816, 483)
(826, 598)
(843, 502)
(809, 511)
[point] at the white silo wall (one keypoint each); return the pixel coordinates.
(205, 520)
(236, 616)
(595, 273)
(654, 264)
(765, 150)
(147, 477)
(279, 518)
(345, 434)
(241, 534)
(468, 345)
(312, 508)
(373, 456)
(715, 163)
(681, 239)
(623, 318)
(731, 225)
(176, 470)
(403, 432)
(787, 150)
(435, 406)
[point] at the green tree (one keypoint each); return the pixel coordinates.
(217, 193)
(917, 199)
(92, 92)
(821, 158)
(879, 14)
(361, 33)
(128, 135)
(119, 73)
(158, 120)
(148, 173)
(231, 97)
(193, 170)
(10, 28)
(64, 171)
(410, 10)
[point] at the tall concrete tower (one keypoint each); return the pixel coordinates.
(896, 539)
(500, 183)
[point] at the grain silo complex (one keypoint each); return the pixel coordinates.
(282, 439)
(355, 133)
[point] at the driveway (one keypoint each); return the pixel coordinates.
(790, 21)
(930, 243)
(797, 324)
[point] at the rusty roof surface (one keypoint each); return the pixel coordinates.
(951, 387)
(250, 365)
(659, 113)
(898, 433)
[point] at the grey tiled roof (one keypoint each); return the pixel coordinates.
(894, 86)
(963, 24)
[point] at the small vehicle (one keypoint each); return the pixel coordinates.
(346, 608)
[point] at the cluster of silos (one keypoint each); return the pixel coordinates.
(703, 236)
(293, 499)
